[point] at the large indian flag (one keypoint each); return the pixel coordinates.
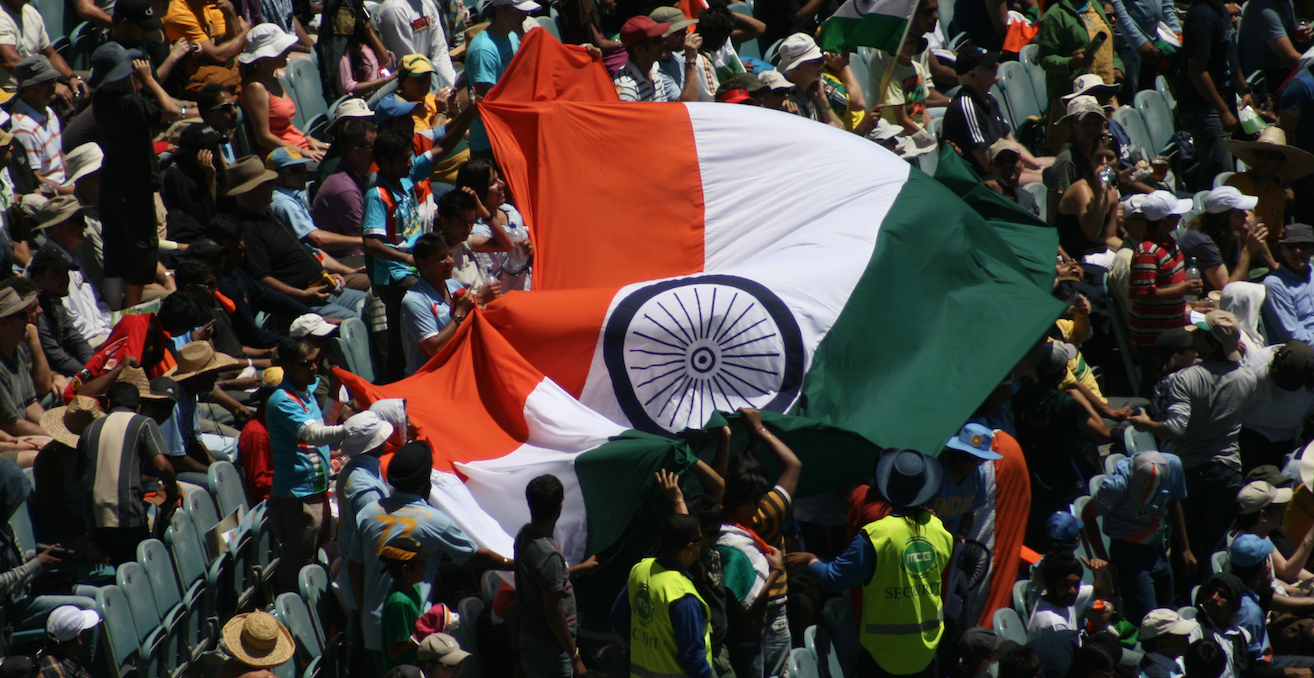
(695, 259)
(867, 23)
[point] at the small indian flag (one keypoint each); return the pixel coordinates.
(867, 23)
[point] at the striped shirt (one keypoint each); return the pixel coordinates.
(769, 524)
(633, 85)
(40, 134)
(1155, 265)
(113, 451)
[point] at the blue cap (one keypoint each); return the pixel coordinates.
(1248, 550)
(975, 440)
(1063, 527)
(392, 107)
(282, 158)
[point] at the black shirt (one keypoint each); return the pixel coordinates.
(272, 250)
(251, 296)
(80, 130)
(184, 191)
(65, 349)
(1207, 33)
(125, 123)
(974, 122)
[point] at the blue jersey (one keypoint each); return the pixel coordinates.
(957, 500)
(1135, 514)
(359, 485)
(300, 469)
(402, 515)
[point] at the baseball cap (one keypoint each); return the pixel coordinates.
(640, 28)
(442, 648)
(406, 549)
(673, 17)
(1259, 494)
(138, 12)
(1063, 527)
(1053, 358)
(970, 56)
(1148, 469)
(415, 65)
(67, 621)
(1002, 146)
(1081, 106)
(1293, 365)
(1297, 233)
(1247, 550)
(522, 5)
(775, 80)
(49, 257)
(1226, 198)
(312, 324)
(974, 439)
(796, 49)
(733, 95)
(1160, 204)
(1165, 622)
(1223, 326)
(1172, 341)
(285, 158)
(354, 107)
(389, 108)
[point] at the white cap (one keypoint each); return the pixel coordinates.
(354, 107)
(365, 431)
(1259, 494)
(312, 324)
(1131, 204)
(1164, 622)
(1226, 198)
(774, 80)
(796, 49)
(1160, 204)
(265, 41)
(67, 621)
(522, 5)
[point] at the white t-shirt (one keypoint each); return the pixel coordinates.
(26, 31)
(1049, 617)
(416, 27)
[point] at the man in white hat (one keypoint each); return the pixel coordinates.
(1086, 124)
(360, 483)
(1165, 637)
(1005, 158)
(68, 629)
(440, 656)
(84, 176)
(801, 61)
(1158, 284)
(1288, 313)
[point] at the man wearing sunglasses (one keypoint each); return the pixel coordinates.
(290, 205)
(1289, 306)
(218, 109)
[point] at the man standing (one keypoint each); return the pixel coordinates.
(1067, 603)
(488, 56)
(416, 27)
(907, 551)
(298, 500)
(360, 483)
(1289, 304)
(548, 626)
(1207, 87)
(974, 120)
(963, 488)
(1137, 30)
(1158, 282)
(114, 450)
(1205, 404)
(660, 612)
(1271, 427)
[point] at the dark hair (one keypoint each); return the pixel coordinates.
(206, 251)
(1019, 662)
(706, 509)
(1248, 573)
(453, 202)
(393, 567)
(1245, 521)
(224, 228)
(291, 349)
(678, 532)
(353, 133)
(427, 244)
(209, 97)
(181, 313)
(745, 480)
(123, 394)
(1104, 142)
(476, 174)
(544, 495)
(1059, 563)
(1219, 229)
(715, 24)
(1089, 659)
(1204, 659)
(23, 286)
(390, 145)
(191, 271)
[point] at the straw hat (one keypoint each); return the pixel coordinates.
(258, 640)
(137, 377)
(66, 424)
(1300, 163)
(198, 357)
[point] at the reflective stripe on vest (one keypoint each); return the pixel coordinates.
(902, 603)
(928, 625)
(651, 589)
(636, 670)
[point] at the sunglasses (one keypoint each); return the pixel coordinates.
(1299, 246)
(225, 108)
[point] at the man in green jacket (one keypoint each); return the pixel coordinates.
(1066, 30)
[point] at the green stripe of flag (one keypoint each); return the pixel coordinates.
(870, 30)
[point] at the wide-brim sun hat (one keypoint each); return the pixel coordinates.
(258, 640)
(265, 41)
(1299, 162)
(199, 357)
(907, 478)
(79, 414)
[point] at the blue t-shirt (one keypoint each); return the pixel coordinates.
(423, 314)
(402, 223)
(485, 61)
(1298, 99)
(1135, 514)
(300, 470)
(289, 206)
(957, 500)
(402, 515)
(183, 426)
(362, 485)
(1251, 618)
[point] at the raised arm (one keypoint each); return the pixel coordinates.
(790, 466)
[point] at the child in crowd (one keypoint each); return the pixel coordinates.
(405, 560)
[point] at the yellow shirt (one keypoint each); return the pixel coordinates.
(181, 21)
(1272, 207)
(426, 115)
(1078, 370)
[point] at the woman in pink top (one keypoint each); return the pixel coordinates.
(361, 71)
(270, 108)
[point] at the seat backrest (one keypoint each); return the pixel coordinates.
(1009, 626)
(309, 87)
(52, 15)
(549, 24)
(1017, 87)
(1221, 178)
(1134, 125)
(131, 577)
(291, 610)
(1022, 598)
(356, 339)
(313, 583)
(24, 532)
(838, 614)
(226, 485)
(1038, 191)
(188, 554)
(120, 628)
(1029, 54)
(1220, 562)
(469, 609)
(1158, 120)
(807, 663)
(154, 559)
(1095, 482)
(200, 506)
(998, 94)
(298, 118)
(1161, 86)
(1111, 461)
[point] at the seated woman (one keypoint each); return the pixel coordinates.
(1087, 218)
(1226, 241)
(512, 268)
(197, 179)
(270, 108)
(362, 70)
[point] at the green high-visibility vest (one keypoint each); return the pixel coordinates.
(651, 590)
(902, 613)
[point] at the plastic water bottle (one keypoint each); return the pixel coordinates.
(1192, 273)
(1108, 175)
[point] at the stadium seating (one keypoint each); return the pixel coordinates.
(469, 609)
(151, 636)
(227, 487)
(1008, 625)
(123, 652)
(1158, 119)
(1018, 89)
(1134, 124)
